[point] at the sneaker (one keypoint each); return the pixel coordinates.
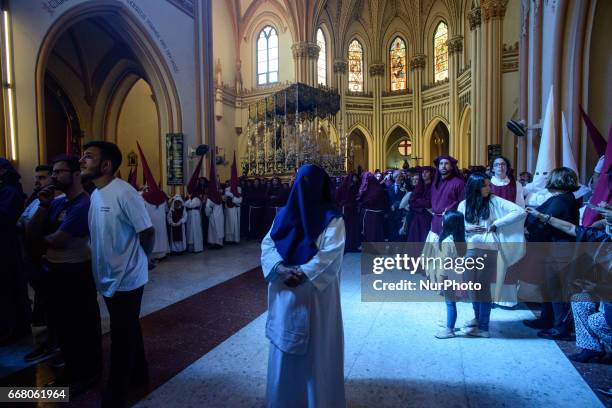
(445, 334)
(538, 324)
(554, 334)
(476, 332)
(471, 323)
(587, 356)
(40, 352)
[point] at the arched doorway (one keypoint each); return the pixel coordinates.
(398, 148)
(138, 122)
(62, 124)
(357, 151)
(90, 51)
(438, 143)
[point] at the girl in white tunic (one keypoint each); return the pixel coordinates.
(194, 224)
(301, 259)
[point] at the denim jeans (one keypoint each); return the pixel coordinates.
(481, 300)
(451, 308)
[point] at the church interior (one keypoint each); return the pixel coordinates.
(193, 90)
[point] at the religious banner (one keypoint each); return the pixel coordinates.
(174, 159)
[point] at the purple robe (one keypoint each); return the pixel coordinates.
(374, 202)
(420, 217)
(507, 192)
(346, 199)
(445, 195)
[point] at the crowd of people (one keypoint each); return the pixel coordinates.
(85, 231)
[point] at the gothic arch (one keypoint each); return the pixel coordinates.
(369, 140)
(427, 134)
(251, 21)
(392, 128)
(157, 73)
(465, 136)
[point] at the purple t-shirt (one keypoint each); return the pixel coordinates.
(69, 216)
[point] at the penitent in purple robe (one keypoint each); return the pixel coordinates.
(374, 201)
(420, 217)
(346, 200)
(446, 195)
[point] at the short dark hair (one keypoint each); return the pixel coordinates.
(71, 161)
(44, 167)
(108, 151)
(563, 179)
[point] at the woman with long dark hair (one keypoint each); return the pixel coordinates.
(494, 233)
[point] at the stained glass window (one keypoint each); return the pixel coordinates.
(267, 56)
(355, 58)
(405, 147)
(440, 52)
(322, 62)
(397, 63)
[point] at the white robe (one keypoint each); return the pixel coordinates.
(232, 216)
(195, 241)
(509, 291)
(216, 229)
(158, 218)
(178, 246)
(508, 239)
(306, 355)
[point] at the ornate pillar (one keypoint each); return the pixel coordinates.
(377, 73)
(477, 144)
(417, 65)
(305, 55)
(340, 69)
(521, 157)
(493, 12)
(455, 48)
(534, 109)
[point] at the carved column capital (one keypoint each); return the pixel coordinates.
(455, 44)
(305, 50)
(377, 69)
(340, 66)
(475, 18)
(493, 9)
(418, 62)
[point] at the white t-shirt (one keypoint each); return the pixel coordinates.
(116, 215)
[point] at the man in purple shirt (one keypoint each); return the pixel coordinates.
(60, 227)
(446, 191)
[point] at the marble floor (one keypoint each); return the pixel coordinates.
(393, 360)
(204, 319)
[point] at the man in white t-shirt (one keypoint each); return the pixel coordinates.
(122, 236)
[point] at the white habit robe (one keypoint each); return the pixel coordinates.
(178, 246)
(216, 229)
(306, 356)
(157, 213)
(508, 239)
(232, 216)
(195, 241)
(509, 291)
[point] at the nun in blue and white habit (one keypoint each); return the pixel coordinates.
(301, 258)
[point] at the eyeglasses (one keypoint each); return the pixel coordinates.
(500, 165)
(58, 171)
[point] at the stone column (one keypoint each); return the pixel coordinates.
(305, 55)
(417, 65)
(340, 69)
(493, 12)
(455, 48)
(534, 109)
(377, 73)
(477, 144)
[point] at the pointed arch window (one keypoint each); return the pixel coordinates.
(440, 52)
(267, 56)
(355, 59)
(322, 61)
(397, 64)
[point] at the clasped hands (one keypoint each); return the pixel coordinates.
(478, 229)
(291, 276)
